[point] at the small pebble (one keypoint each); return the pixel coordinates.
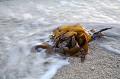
(92, 68)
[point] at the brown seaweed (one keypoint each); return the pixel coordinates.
(70, 40)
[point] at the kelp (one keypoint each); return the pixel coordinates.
(71, 40)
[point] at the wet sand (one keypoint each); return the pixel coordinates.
(99, 64)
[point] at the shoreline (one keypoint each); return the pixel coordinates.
(99, 64)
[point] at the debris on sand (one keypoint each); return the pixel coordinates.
(71, 40)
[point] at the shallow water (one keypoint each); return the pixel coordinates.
(24, 23)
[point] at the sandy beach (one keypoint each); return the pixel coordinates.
(26, 23)
(99, 64)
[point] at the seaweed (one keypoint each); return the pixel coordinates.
(71, 40)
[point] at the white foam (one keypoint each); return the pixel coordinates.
(34, 65)
(18, 20)
(56, 64)
(27, 16)
(111, 49)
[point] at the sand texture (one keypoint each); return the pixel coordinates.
(100, 64)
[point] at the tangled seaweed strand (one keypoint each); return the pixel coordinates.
(70, 40)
